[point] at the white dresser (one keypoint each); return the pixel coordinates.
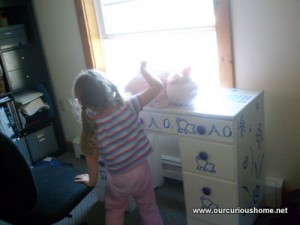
(221, 144)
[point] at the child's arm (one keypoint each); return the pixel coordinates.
(155, 86)
(88, 146)
(90, 178)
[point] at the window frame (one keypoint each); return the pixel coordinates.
(94, 53)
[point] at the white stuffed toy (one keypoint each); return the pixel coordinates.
(179, 89)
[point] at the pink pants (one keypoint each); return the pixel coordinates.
(138, 183)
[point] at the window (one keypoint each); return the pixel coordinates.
(163, 37)
(139, 16)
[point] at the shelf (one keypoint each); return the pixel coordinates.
(10, 3)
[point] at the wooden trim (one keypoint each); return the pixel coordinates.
(224, 40)
(90, 36)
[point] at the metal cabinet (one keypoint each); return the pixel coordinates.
(42, 143)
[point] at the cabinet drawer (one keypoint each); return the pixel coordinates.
(158, 122)
(25, 76)
(42, 143)
(207, 158)
(21, 144)
(21, 57)
(204, 193)
(11, 36)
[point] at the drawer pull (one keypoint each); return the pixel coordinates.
(206, 190)
(203, 155)
(201, 130)
(23, 57)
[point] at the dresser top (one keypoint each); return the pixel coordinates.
(217, 103)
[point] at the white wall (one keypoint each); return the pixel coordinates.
(57, 21)
(267, 56)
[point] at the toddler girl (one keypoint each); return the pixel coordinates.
(111, 130)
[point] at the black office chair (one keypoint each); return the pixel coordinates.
(39, 195)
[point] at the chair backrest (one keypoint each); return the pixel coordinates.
(17, 189)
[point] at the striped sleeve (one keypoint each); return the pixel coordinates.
(135, 104)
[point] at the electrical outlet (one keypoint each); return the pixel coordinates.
(62, 105)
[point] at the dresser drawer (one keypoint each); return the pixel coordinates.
(204, 193)
(25, 76)
(207, 158)
(159, 122)
(20, 58)
(205, 128)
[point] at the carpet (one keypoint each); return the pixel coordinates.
(169, 198)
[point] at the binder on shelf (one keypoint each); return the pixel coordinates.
(5, 99)
(12, 116)
(5, 126)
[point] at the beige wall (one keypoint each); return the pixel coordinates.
(266, 37)
(267, 56)
(60, 35)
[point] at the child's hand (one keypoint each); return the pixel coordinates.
(143, 69)
(83, 178)
(155, 85)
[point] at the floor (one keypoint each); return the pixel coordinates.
(69, 157)
(263, 219)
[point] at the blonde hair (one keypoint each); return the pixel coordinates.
(95, 91)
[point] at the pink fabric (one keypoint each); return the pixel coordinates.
(139, 84)
(138, 183)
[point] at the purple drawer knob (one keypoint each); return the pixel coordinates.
(203, 155)
(206, 190)
(102, 163)
(201, 130)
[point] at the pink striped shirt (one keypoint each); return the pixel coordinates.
(120, 137)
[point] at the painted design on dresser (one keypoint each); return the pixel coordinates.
(253, 161)
(102, 170)
(185, 127)
(165, 124)
(205, 166)
(207, 203)
(242, 126)
(254, 192)
(102, 175)
(226, 131)
(153, 123)
(239, 98)
(256, 167)
(259, 136)
(245, 162)
(257, 106)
